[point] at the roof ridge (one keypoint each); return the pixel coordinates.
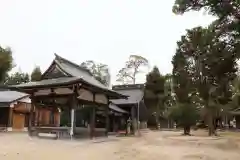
(57, 57)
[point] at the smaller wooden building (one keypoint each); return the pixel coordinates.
(134, 104)
(14, 112)
(14, 109)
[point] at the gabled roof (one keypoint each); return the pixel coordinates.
(11, 96)
(135, 93)
(73, 74)
(71, 69)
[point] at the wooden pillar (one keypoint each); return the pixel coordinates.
(134, 119)
(107, 119)
(92, 120)
(75, 119)
(92, 123)
(57, 118)
(113, 120)
(72, 122)
(169, 123)
(38, 116)
(31, 117)
(226, 123)
(10, 117)
(73, 115)
(237, 117)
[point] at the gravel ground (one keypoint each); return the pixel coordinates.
(165, 145)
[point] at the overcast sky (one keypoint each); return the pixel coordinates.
(105, 31)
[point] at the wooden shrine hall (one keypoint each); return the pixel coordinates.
(67, 86)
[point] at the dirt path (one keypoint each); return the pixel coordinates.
(151, 146)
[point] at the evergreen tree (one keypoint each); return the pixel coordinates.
(211, 67)
(36, 74)
(16, 78)
(6, 62)
(154, 94)
(227, 12)
(185, 111)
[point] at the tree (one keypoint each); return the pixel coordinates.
(36, 74)
(132, 68)
(184, 111)
(6, 62)
(168, 84)
(186, 115)
(154, 94)
(228, 13)
(221, 45)
(17, 78)
(100, 71)
(211, 67)
(222, 9)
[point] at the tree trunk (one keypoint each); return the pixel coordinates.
(187, 130)
(211, 125)
(157, 122)
(158, 116)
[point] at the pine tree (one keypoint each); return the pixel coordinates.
(36, 74)
(154, 94)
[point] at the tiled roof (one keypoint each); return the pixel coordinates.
(135, 96)
(11, 96)
(76, 71)
(135, 99)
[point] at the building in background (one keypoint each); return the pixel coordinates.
(134, 104)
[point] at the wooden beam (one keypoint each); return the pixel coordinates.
(49, 105)
(50, 96)
(86, 102)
